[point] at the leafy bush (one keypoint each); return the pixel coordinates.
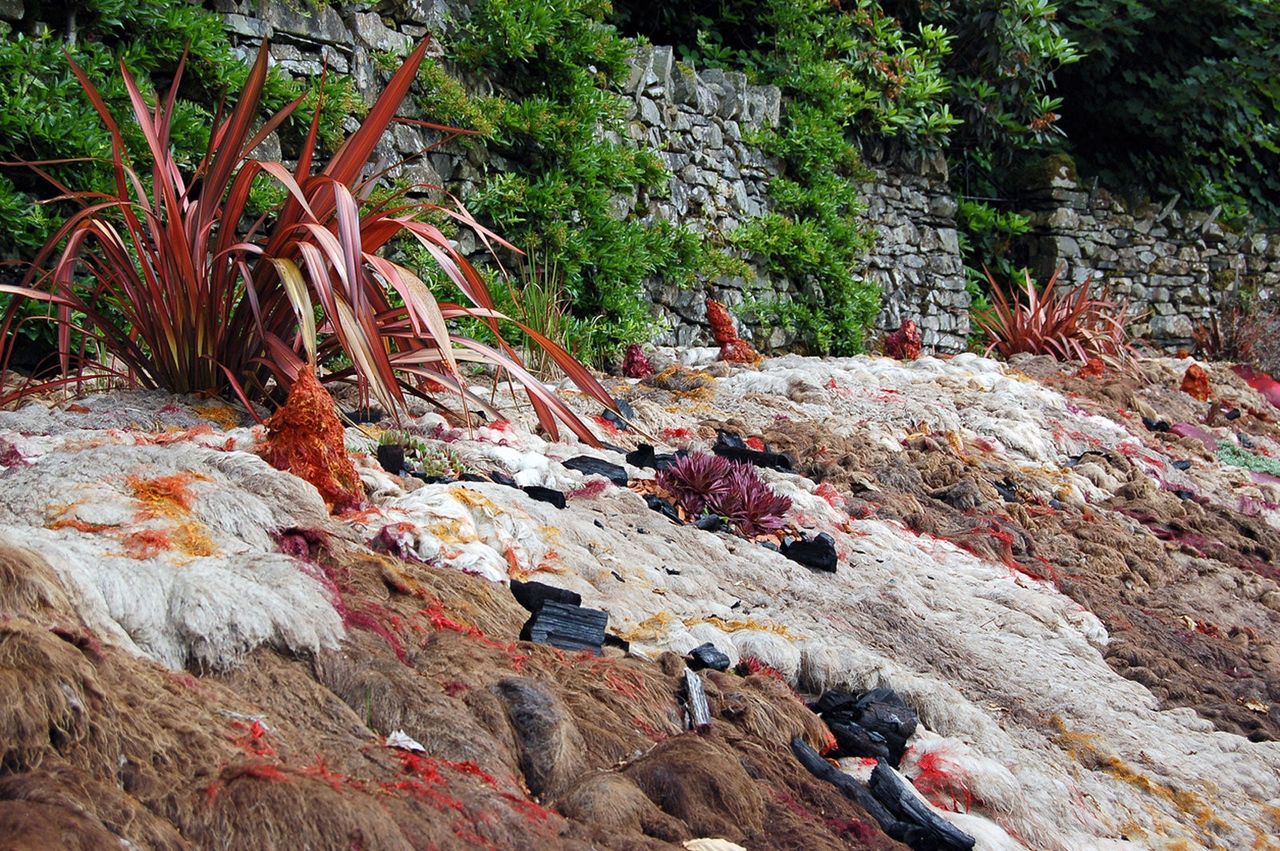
(882, 77)
(1067, 324)
(568, 174)
(183, 295)
(694, 479)
(1001, 69)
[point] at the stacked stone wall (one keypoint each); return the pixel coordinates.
(1176, 267)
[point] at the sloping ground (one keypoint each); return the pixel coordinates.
(195, 654)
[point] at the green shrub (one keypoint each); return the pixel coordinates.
(567, 175)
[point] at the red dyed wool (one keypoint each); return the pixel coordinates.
(733, 348)
(905, 343)
(305, 438)
(1093, 368)
(635, 364)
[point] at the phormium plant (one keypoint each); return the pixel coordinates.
(1067, 324)
(180, 294)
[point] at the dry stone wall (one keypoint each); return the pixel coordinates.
(1175, 266)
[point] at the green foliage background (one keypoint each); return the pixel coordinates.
(1153, 96)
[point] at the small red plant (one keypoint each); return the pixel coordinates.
(700, 482)
(635, 364)
(751, 506)
(1067, 324)
(695, 479)
(905, 343)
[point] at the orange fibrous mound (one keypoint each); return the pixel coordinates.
(733, 348)
(305, 438)
(1195, 383)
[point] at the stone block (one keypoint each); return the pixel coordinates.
(1171, 327)
(240, 25)
(662, 61)
(649, 113)
(316, 25)
(370, 31)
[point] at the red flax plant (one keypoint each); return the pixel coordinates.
(184, 291)
(1067, 324)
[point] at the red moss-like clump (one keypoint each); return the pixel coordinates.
(305, 438)
(905, 343)
(1195, 383)
(733, 348)
(635, 364)
(1093, 368)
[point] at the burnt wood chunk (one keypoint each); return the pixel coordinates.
(594, 466)
(818, 553)
(570, 628)
(532, 595)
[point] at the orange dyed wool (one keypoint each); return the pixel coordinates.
(305, 438)
(1195, 383)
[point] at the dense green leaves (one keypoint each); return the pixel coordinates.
(1179, 97)
(570, 174)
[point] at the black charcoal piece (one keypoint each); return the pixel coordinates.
(933, 831)
(710, 522)
(1233, 414)
(834, 702)
(1008, 491)
(732, 447)
(707, 656)
(532, 595)
(641, 456)
(474, 477)
(1184, 464)
(587, 465)
(391, 457)
(500, 478)
(666, 459)
(433, 480)
(571, 628)
(882, 711)
(548, 495)
(361, 416)
(1155, 425)
(852, 739)
(611, 640)
(852, 789)
(627, 413)
(729, 440)
(664, 508)
(818, 553)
